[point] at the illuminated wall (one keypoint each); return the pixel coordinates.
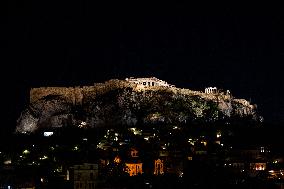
(117, 159)
(258, 166)
(159, 167)
(134, 153)
(134, 168)
(76, 94)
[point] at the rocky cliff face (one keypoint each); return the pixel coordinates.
(117, 103)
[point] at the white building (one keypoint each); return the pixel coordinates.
(211, 90)
(148, 82)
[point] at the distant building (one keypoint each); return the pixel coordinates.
(211, 90)
(85, 176)
(148, 82)
(133, 164)
(251, 159)
(163, 153)
(117, 159)
(11, 177)
(159, 167)
(134, 153)
(134, 168)
(258, 166)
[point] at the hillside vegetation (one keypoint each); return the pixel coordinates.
(117, 103)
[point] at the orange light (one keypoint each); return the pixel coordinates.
(117, 159)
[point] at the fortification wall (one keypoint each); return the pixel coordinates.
(38, 93)
(72, 95)
(76, 95)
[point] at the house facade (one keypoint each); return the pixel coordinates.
(85, 176)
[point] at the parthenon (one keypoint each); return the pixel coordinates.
(148, 82)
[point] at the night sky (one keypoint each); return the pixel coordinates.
(80, 44)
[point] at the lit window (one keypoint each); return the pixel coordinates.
(261, 149)
(218, 135)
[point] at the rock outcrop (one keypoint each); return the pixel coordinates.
(119, 102)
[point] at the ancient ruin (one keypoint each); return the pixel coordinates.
(211, 90)
(148, 82)
(76, 94)
(56, 105)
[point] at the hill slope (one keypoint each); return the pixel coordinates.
(117, 103)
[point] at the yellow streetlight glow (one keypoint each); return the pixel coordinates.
(26, 151)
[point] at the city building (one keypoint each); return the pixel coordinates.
(85, 176)
(133, 163)
(159, 167)
(134, 168)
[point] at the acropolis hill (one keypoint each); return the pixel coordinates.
(130, 101)
(76, 94)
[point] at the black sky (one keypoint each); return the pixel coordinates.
(79, 44)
